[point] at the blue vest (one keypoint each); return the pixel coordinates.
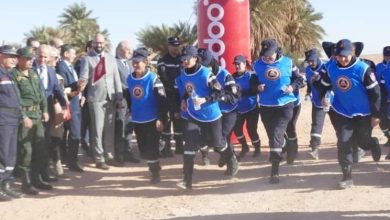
(143, 102)
(221, 77)
(350, 95)
(314, 92)
(275, 77)
(380, 68)
(198, 82)
(245, 103)
(386, 77)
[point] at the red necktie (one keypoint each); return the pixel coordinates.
(99, 71)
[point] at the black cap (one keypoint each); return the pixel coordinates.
(188, 52)
(205, 55)
(386, 51)
(344, 48)
(268, 47)
(140, 54)
(239, 59)
(312, 55)
(174, 41)
(9, 50)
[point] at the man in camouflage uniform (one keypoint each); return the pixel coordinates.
(31, 149)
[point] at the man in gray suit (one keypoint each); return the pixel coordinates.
(99, 71)
(124, 128)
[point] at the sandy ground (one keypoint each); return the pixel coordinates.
(307, 189)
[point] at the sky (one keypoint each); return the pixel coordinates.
(365, 22)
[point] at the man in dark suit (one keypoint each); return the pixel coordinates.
(67, 71)
(85, 117)
(100, 72)
(124, 128)
(53, 90)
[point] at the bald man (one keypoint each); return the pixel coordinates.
(100, 72)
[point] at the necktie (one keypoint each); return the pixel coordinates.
(42, 76)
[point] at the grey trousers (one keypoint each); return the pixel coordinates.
(102, 129)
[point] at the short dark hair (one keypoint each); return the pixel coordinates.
(65, 48)
(88, 45)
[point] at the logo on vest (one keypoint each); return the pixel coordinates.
(138, 92)
(189, 88)
(272, 74)
(344, 83)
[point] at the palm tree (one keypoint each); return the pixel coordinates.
(290, 22)
(45, 34)
(302, 31)
(268, 18)
(155, 37)
(79, 26)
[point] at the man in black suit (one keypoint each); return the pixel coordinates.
(67, 71)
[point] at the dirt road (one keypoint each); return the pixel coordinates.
(307, 189)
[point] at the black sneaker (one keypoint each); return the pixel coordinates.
(345, 184)
(155, 178)
(11, 192)
(244, 150)
(166, 152)
(257, 152)
(115, 163)
(274, 179)
(232, 166)
(387, 156)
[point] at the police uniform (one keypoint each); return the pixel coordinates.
(32, 152)
(247, 109)
(291, 133)
(381, 70)
(168, 68)
(147, 104)
(317, 113)
(352, 119)
(199, 81)
(276, 106)
(227, 101)
(9, 121)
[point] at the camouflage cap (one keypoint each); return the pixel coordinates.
(26, 52)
